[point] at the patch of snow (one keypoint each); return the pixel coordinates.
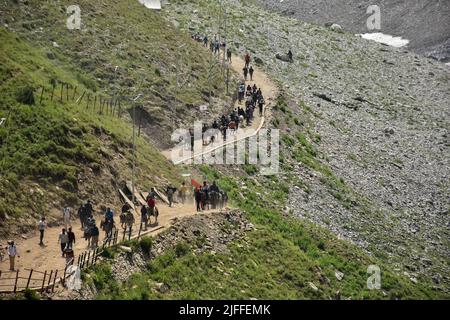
(397, 42)
(151, 4)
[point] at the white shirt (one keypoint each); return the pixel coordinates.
(12, 250)
(63, 237)
(42, 225)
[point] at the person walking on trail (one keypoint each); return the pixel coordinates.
(261, 103)
(71, 236)
(183, 192)
(170, 192)
(229, 55)
(205, 41)
(12, 253)
(247, 59)
(250, 71)
(69, 254)
(95, 233)
(41, 226)
(198, 198)
(66, 217)
(151, 202)
(144, 217)
(63, 240)
(89, 209)
(245, 70)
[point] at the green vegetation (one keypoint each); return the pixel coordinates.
(278, 260)
(52, 150)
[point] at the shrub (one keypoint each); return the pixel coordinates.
(182, 249)
(25, 95)
(146, 244)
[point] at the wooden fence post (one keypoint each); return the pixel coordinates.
(140, 229)
(64, 276)
(129, 233)
(67, 91)
(120, 109)
(93, 257)
(42, 94)
(74, 92)
(43, 280)
(54, 280)
(81, 97)
(62, 90)
(29, 278)
(53, 91)
(17, 279)
(88, 258)
(50, 278)
(88, 100)
(95, 101)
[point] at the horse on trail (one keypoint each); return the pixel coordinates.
(107, 225)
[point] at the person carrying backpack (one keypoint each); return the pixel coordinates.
(144, 217)
(229, 55)
(95, 233)
(109, 215)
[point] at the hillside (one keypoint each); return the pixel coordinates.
(366, 134)
(426, 24)
(364, 151)
(58, 152)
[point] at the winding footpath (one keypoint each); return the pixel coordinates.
(269, 91)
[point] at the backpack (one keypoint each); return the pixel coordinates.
(151, 202)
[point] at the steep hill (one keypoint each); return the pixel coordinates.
(366, 133)
(60, 151)
(364, 172)
(425, 23)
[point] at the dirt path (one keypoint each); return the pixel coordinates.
(34, 256)
(269, 91)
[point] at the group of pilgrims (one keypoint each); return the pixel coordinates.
(206, 197)
(240, 117)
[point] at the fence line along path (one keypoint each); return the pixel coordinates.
(47, 260)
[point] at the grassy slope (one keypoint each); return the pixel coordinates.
(59, 153)
(276, 261)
